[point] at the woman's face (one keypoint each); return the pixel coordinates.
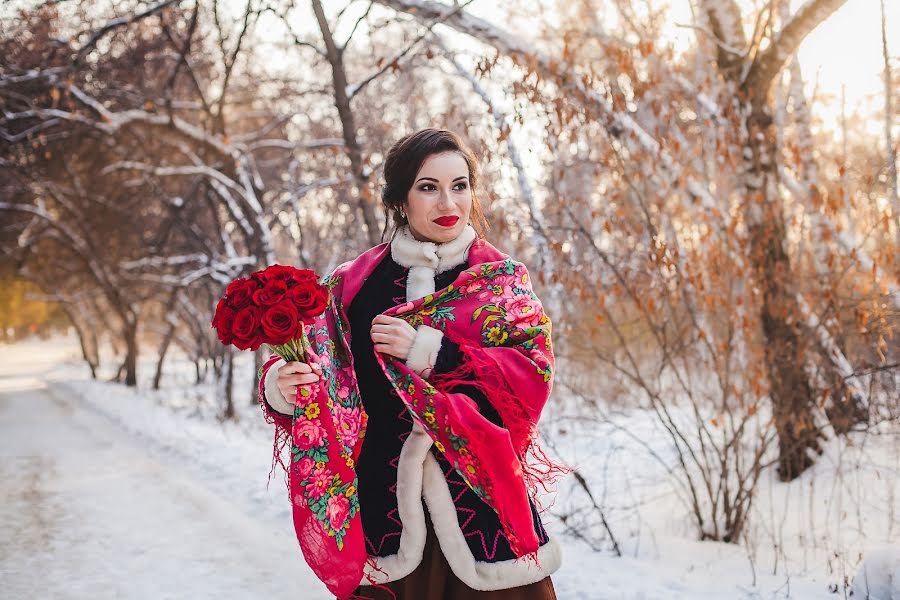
(439, 202)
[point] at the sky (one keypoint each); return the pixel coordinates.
(846, 49)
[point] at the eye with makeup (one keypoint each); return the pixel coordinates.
(425, 187)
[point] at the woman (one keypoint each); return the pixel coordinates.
(447, 347)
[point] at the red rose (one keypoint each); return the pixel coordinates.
(245, 328)
(278, 272)
(234, 285)
(303, 277)
(310, 300)
(292, 276)
(261, 277)
(241, 292)
(280, 324)
(273, 293)
(223, 321)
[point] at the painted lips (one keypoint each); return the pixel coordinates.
(446, 221)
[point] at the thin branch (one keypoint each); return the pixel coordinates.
(115, 24)
(343, 46)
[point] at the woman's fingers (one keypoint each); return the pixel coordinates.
(385, 320)
(289, 383)
(396, 349)
(299, 367)
(386, 327)
(294, 367)
(385, 324)
(392, 336)
(292, 374)
(302, 379)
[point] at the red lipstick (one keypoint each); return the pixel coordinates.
(446, 221)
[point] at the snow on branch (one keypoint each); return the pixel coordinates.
(298, 145)
(207, 266)
(31, 75)
(160, 261)
(174, 171)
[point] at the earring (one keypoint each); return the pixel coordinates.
(402, 214)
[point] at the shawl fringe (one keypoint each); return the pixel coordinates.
(479, 370)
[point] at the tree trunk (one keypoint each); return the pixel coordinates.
(163, 349)
(791, 396)
(224, 380)
(88, 345)
(167, 339)
(120, 373)
(131, 351)
(85, 353)
(335, 56)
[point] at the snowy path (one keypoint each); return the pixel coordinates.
(87, 512)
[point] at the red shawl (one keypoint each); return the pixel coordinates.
(491, 311)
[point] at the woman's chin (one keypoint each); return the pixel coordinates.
(439, 235)
(451, 233)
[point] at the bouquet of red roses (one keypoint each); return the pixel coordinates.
(271, 307)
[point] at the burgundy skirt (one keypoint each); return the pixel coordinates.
(434, 580)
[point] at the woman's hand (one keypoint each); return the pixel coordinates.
(392, 336)
(292, 374)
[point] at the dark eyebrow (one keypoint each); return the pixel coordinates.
(433, 179)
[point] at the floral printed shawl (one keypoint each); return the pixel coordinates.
(491, 311)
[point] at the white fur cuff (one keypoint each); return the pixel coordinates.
(273, 395)
(424, 350)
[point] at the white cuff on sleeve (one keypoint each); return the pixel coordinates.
(273, 395)
(424, 350)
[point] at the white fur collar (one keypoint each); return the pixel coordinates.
(407, 251)
(426, 259)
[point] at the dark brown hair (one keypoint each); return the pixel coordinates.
(403, 162)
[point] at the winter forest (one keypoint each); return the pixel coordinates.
(714, 232)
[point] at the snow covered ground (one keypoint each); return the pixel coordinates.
(110, 492)
(95, 509)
